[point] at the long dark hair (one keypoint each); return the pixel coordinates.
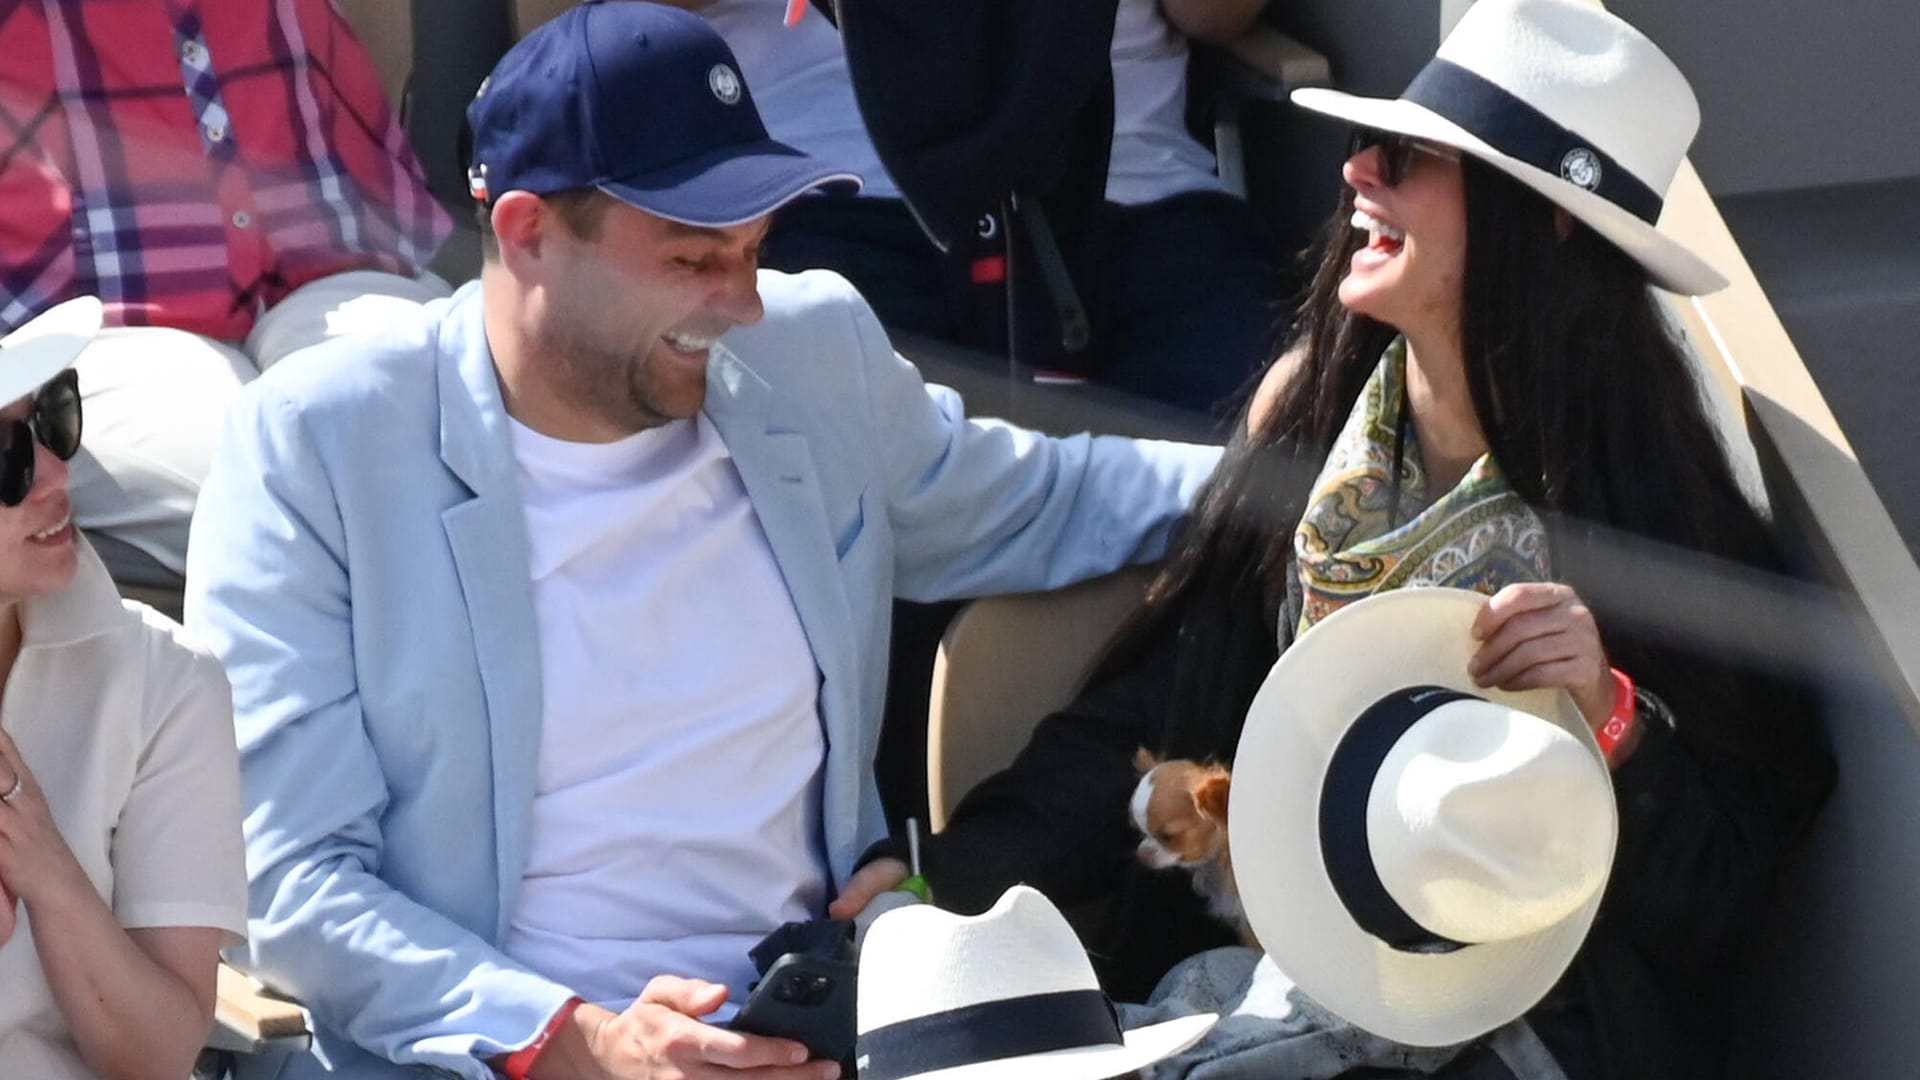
(1587, 400)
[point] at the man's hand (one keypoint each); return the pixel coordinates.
(660, 1037)
(1541, 635)
(879, 876)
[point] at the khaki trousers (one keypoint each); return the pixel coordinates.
(155, 402)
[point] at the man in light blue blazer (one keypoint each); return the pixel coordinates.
(557, 619)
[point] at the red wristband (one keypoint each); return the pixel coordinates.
(520, 1062)
(1621, 722)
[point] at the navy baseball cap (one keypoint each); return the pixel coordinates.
(644, 102)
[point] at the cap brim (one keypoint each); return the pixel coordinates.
(1143, 1047)
(730, 186)
(1348, 661)
(46, 345)
(1668, 262)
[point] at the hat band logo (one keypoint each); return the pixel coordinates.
(1515, 128)
(724, 84)
(1581, 168)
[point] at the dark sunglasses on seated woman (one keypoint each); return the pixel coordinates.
(1396, 151)
(54, 421)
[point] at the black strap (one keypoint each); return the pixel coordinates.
(1343, 818)
(992, 1031)
(1075, 332)
(1519, 130)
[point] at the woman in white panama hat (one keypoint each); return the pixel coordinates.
(121, 868)
(1483, 393)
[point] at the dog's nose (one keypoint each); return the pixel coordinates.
(1155, 856)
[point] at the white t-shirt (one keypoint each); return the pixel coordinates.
(129, 730)
(800, 84)
(677, 815)
(1154, 157)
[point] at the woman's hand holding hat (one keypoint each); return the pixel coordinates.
(1541, 635)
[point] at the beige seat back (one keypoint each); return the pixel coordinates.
(386, 28)
(528, 14)
(1006, 662)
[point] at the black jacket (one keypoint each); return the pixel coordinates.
(1700, 841)
(995, 120)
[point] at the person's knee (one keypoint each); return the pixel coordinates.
(350, 302)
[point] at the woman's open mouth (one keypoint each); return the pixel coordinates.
(54, 533)
(1381, 237)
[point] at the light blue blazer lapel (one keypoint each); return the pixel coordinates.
(488, 537)
(777, 469)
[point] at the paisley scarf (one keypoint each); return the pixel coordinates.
(1366, 530)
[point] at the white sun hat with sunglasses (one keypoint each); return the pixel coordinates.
(1569, 100)
(46, 346)
(32, 357)
(1008, 995)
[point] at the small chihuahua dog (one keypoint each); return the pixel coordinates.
(1181, 807)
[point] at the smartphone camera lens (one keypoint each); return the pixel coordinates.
(802, 988)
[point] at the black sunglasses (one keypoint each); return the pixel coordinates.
(1396, 151)
(54, 422)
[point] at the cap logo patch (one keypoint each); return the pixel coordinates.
(724, 84)
(1581, 168)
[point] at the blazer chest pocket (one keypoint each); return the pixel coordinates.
(854, 533)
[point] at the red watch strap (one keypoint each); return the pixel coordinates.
(1621, 722)
(520, 1062)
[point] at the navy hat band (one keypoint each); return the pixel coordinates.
(1344, 795)
(1523, 132)
(990, 1031)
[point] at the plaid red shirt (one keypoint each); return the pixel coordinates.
(191, 162)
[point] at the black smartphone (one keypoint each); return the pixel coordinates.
(806, 998)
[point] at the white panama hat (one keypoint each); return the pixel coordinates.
(1421, 856)
(1007, 995)
(45, 346)
(1567, 99)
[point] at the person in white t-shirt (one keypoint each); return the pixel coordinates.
(120, 853)
(557, 616)
(1188, 313)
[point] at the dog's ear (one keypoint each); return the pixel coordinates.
(1144, 760)
(1210, 796)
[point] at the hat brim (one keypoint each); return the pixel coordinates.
(1143, 1047)
(1668, 262)
(1348, 661)
(46, 345)
(730, 186)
